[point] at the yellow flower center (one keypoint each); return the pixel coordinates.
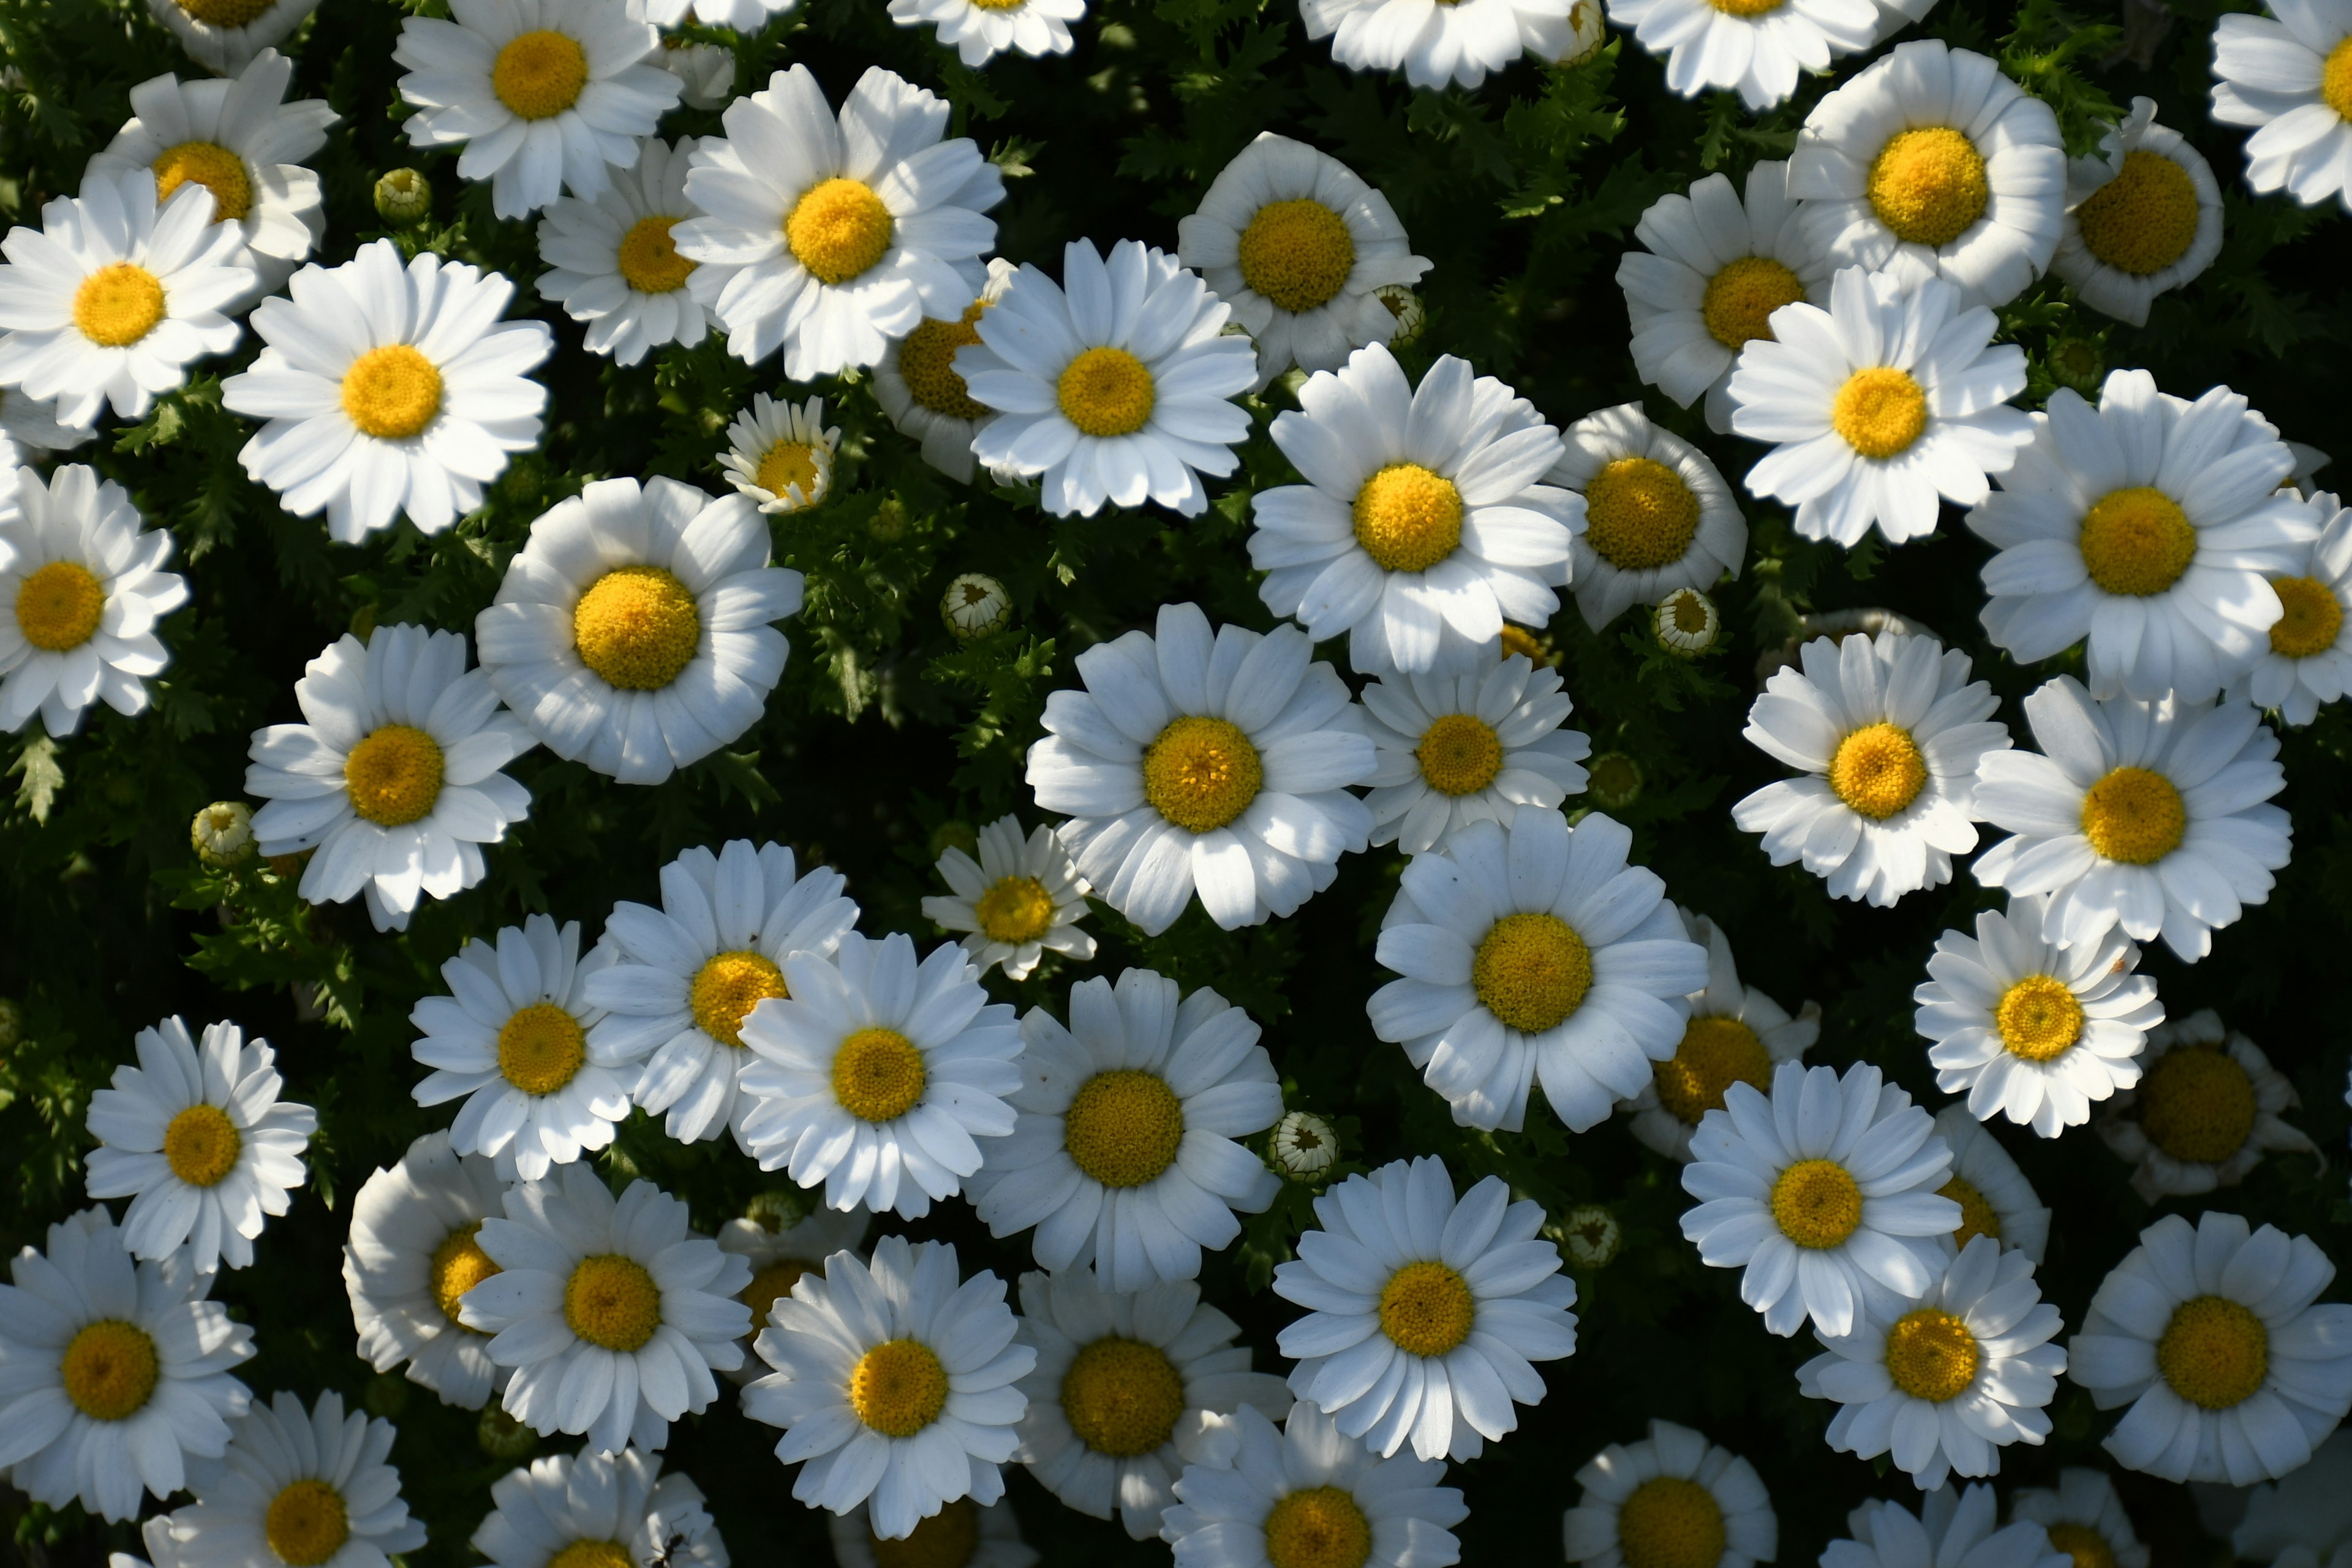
(1639, 514)
(1459, 755)
(927, 363)
(2136, 542)
(1715, 1053)
(2196, 1104)
(1123, 1126)
(786, 465)
(1531, 970)
(1107, 391)
(2215, 1354)
(637, 626)
(725, 990)
(649, 260)
(1929, 184)
(1931, 1355)
(58, 607)
(1880, 411)
(1298, 254)
(593, 1554)
(1426, 1308)
(1407, 518)
(1202, 772)
(1740, 299)
(117, 305)
(307, 1524)
(1523, 642)
(539, 75)
(211, 166)
(2039, 1017)
(2311, 623)
(949, 1539)
(1746, 8)
(394, 777)
(877, 1075)
(458, 1265)
(1879, 771)
(225, 13)
(541, 1048)
(1816, 1204)
(898, 1387)
(838, 228)
(109, 1370)
(1669, 1521)
(1321, 1527)
(613, 1301)
(1123, 1397)
(1976, 1215)
(201, 1144)
(1016, 910)
(391, 392)
(771, 1285)
(2144, 219)
(2086, 1545)
(2133, 815)
(2335, 79)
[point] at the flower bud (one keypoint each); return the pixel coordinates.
(222, 834)
(976, 605)
(1304, 1146)
(1613, 780)
(402, 197)
(1687, 623)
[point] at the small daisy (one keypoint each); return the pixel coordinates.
(1658, 517)
(1672, 1500)
(223, 36)
(917, 384)
(962, 1534)
(311, 1487)
(780, 1253)
(692, 971)
(1126, 1153)
(2151, 817)
(1953, 1529)
(1424, 1312)
(830, 237)
(741, 15)
(1735, 1035)
(1019, 899)
(1931, 164)
(1826, 1194)
(612, 1314)
(1995, 1198)
(1210, 762)
(894, 1385)
(111, 299)
(598, 1510)
(118, 1372)
(413, 1253)
(2084, 1518)
(2285, 74)
(1115, 385)
(2206, 1111)
(1894, 396)
(2211, 1335)
(198, 1141)
(2143, 218)
(393, 775)
(2302, 1521)
(2308, 662)
(1303, 1146)
(29, 431)
(1529, 950)
(977, 29)
(1686, 622)
(85, 588)
(414, 415)
(1299, 245)
(781, 456)
(1425, 522)
(612, 263)
(546, 95)
(1889, 734)
(707, 70)
(1435, 44)
(1458, 749)
(635, 633)
(1756, 48)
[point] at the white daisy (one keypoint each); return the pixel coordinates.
(1433, 44)
(1113, 385)
(118, 1372)
(1735, 1033)
(1299, 245)
(781, 1253)
(1459, 749)
(976, 29)
(2211, 1335)
(1125, 1150)
(962, 1534)
(1528, 949)
(1424, 1312)
(2303, 1519)
(1019, 899)
(917, 384)
(108, 301)
(831, 236)
(85, 588)
(1953, 1529)
(1217, 763)
(388, 391)
(2285, 74)
(742, 15)
(1425, 522)
(29, 431)
(1658, 514)
(2143, 218)
(781, 456)
(2308, 662)
(2084, 1518)
(599, 1510)
(310, 1486)
(894, 1384)
(1995, 1198)
(692, 971)
(612, 1314)
(1889, 733)
(635, 632)
(546, 95)
(1685, 623)
(2152, 817)
(2206, 1111)
(707, 70)
(1672, 1500)
(413, 1253)
(1755, 47)
(393, 777)
(1826, 1194)
(223, 36)
(1931, 164)
(612, 263)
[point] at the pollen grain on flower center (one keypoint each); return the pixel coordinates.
(2136, 542)
(1877, 770)
(1407, 518)
(788, 466)
(1639, 514)
(2196, 1104)
(1976, 1215)
(1124, 1126)
(109, 1369)
(1880, 411)
(726, 987)
(2335, 79)
(458, 1265)
(200, 1145)
(2039, 1017)
(1531, 970)
(636, 627)
(927, 364)
(2215, 1353)
(393, 777)
(307, 1523)
(593, 1554)
(540, 74)
(1816, 1203)
(1123, 1397)
(60, 605)
(771, 1285)
(1426, 1308)
(1931, 1355)
(1746, 8)
(948, 1539)
(1107, 391)
(117, 305)
(879, 1075)
(2144, 219)
(1740, 298)
(1298, 254)
(2312, 617)
(2135, 816)
(1015, 909)
(541, 1048)
(1202, 772)
(898, 1387)
(1317, 1527)
(391, 392)
(839, 230)
(1459, 755)
(610, 1301)
(1929, 184)
(1715, 1053)
(1669, 1521)
(211, 166)
(649, 257)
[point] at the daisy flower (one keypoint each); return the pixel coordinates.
(707, 70)
(1019, 899)
(780, 457)
(1299, 245)
(111, 299)
(2308, 662)
(896, 1384)
(780, 1253)
(1459, 749)
(1658, 517)
(612, 1314)
(198, 1141)
(977, 29)
(1686, 622)
(741, 15)
(1953, 1529)
(85, 588)
(1216, 763)
(2143, 218)
(2211, 1334)
(1995, 1198)
(29, 431)
(1303, 1146)
(1530, 950)
(2084, 1518)
(1122, 1380)
(1435, 44)
(1424, 1312)
(692, 971)
(2151, 526)
(512, 1039)
(1931, 164)
(2151, 817)
(828, 237)
(413, 1253)
(2285, 74)
(612, 263)
(2301, 1521)
(2205, 1112)
(1825, 1195)
(1735, 1033)
(1756, 49)
(312, 1486)
(634, 633)
(598, 1510)
(962, 1533)
(1894, 396)
(1425, 522)
(410, 415)
(546, 95)
(223, 36)
(393, 777)
(1125, 1150)
(1889, 734)
(1673, 1498)
(118, 1371)
(1115, 385)
(917, 384)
